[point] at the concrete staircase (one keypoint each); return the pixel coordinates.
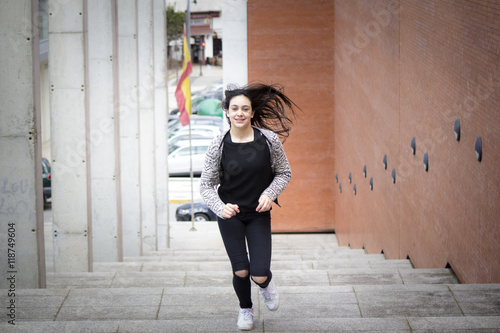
(323, 288)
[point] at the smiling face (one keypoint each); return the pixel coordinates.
(240, 112)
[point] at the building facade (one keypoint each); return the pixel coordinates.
(372, 77)
(206, 31)
(394, 149)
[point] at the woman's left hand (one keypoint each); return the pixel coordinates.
(265, 204)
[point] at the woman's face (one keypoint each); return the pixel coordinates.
(240, 112)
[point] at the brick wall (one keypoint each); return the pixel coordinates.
(450, 70)
(409, 69)
(367, 124)
(291, 43)
(370, 76)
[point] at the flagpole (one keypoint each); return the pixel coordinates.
(191, 178)
(188, 39)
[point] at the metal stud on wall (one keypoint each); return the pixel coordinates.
(456, 129)
(385, 162)
(355, 189)
(426, 162)
(479, 149)
(413, 146)
(393, 175)
(371, 183)
(364, 171)
(350, 178)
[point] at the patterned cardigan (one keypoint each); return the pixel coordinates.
(212, 171)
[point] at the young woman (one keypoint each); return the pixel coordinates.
(245, 171)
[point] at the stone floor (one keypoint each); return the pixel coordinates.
(323, 288)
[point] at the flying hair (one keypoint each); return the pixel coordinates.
(273, 109)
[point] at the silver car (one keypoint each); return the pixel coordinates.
(179, 160)
(207, 130)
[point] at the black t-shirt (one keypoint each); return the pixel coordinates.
(246, 171)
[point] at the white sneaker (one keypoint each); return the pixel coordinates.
(271, 296)
(245, 319)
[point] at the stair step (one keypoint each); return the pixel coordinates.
(352, 325)
(277, 256)
(285, 277)
(224, 264)
(323, 287)
(317, 251)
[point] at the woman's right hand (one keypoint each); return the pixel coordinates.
(230, 210)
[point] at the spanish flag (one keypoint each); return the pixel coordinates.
(183, 90)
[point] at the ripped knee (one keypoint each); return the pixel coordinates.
(259, 279)
(242, 273)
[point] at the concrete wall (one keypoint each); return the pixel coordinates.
(291, 43)
(105, 176)
(146, 124)
(129, 127)
(109, 130)
(21, 199)
(45, 106)
(234, 47)
(160, 123)
(69, 136)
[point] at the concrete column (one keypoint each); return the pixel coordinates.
(103, 148)
(161, 120)
(235, 45)
(146, 125)
(129, 126)
(69, 134)
(22, 262)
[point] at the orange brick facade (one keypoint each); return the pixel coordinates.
(291, 42)
(370, 76)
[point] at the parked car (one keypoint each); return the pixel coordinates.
(211, 107)
(206, 130)
(47, 181)
(201, 212)
(196, 120)
(172, 120)
(179, 160)
(183, 139)
(196, 100)
(216, 86)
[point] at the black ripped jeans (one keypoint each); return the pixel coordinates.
(254, 229)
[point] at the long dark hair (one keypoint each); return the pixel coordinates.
(273, 109)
